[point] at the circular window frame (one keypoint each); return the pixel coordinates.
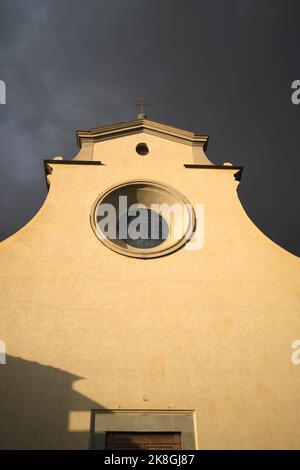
(163, 249)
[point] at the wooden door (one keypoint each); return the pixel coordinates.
(143, 440)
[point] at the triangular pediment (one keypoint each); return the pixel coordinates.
(124, 128)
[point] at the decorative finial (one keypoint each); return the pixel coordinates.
(142, 104)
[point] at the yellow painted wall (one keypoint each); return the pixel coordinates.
(209, 330)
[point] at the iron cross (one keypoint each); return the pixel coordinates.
(142, 104)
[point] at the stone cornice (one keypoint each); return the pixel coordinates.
(132, 127)
(237, 175)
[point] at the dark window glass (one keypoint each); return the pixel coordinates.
(151, 228)
(142, 149)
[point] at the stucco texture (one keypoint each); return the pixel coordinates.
(207, 330)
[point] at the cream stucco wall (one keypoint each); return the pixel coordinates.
(207, 330)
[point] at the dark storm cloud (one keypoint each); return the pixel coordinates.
(222, 68)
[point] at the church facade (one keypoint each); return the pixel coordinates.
(180, 340)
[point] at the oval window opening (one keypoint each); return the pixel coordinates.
(143, 219)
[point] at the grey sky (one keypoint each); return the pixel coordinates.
(219, 67)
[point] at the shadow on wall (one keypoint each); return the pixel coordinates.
(35, 402)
